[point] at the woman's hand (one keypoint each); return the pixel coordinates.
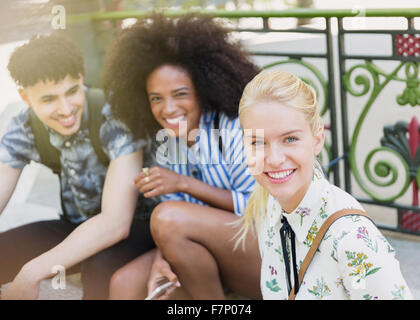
(158, 181)
(161, 273)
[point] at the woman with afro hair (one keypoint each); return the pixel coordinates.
(180, 80)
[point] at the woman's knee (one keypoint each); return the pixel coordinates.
(168, 222)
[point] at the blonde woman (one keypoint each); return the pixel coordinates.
(283, 134)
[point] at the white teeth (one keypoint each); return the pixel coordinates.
(67, 120)
(175, 120)
(280, 175)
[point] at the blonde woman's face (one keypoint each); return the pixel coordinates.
(281, 150)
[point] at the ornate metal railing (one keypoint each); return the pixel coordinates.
(343, 80)
(401, 137)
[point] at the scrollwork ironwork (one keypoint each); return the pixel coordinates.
(392, 145)
(411, 94)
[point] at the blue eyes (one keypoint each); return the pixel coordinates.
(287, 140)
(291, 139)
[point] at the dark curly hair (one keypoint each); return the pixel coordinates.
(46, 58)
(219, 68)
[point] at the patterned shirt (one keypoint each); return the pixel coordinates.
(205, 162)
(354, 260)
(82, 174)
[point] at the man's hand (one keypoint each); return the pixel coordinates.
(159, 181)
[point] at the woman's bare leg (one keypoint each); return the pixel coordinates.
(130, 281)
(198, 244)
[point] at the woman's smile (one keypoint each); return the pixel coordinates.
(280, 176)
(175, 121)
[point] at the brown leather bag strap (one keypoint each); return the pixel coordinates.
(320, 235)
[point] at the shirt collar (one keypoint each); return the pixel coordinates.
(302, 218)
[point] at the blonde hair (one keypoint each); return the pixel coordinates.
(278, 86)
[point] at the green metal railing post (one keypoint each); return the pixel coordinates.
(343, 98)
(332, 101)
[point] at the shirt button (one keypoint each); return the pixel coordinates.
(67, 144)
(72, 172)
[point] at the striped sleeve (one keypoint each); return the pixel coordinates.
(172, 197)
(241, 181)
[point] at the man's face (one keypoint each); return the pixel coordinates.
(58, 105)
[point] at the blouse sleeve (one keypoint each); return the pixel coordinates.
(368, 265)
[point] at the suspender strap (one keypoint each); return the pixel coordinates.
(96, 101)
(320, 235)
(49, 155)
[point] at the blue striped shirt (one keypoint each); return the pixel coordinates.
(205, 162)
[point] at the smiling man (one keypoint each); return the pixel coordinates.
(104, 222)
(58, 105)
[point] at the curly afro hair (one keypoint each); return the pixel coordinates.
(219, 68)
(46, 58)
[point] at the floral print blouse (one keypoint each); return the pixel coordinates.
(353, 261)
